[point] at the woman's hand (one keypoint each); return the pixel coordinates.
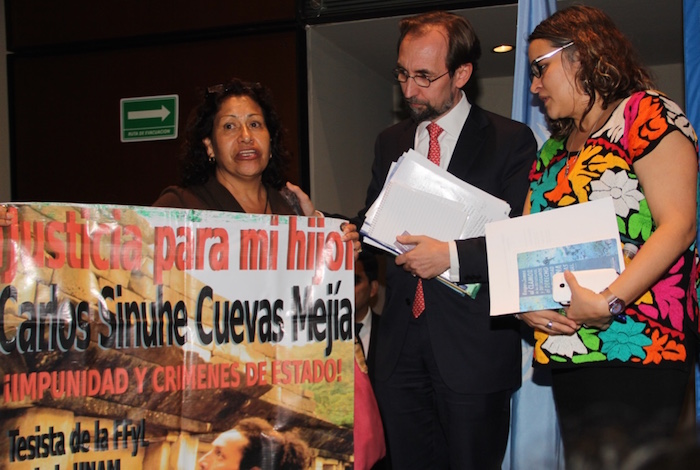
(5, 216)
(350, 233)
(587, 307)
(550, 322)
(307, 207)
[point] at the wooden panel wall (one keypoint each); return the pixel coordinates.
(41, 23)
(64, 99)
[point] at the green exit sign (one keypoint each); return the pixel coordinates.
(149, 118)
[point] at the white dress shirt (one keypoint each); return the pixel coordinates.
(366, 331)
(452, 124)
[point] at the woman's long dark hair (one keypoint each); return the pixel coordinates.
(610, 67)
(196, 167)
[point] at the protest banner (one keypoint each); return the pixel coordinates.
(131, 337)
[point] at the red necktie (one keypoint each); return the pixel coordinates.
(434, 156)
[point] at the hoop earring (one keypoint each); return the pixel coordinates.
(212, 159)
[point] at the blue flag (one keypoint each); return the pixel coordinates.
(526, 108)
(691, 41)
(691, 55)
(534, 440)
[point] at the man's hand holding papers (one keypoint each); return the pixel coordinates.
(434, 207)
(427, 259)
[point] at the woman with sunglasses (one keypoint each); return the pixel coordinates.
(620, 358)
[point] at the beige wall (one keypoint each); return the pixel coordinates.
(671, 80)
(349, 104)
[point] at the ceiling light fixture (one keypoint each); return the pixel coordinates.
(503, 48)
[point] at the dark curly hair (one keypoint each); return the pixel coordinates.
(610, 67)
(196, 167)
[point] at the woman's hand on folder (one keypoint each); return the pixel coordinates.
(550, 322)
(427, 259)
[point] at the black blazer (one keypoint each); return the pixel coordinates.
(475, 353)
(371, 358)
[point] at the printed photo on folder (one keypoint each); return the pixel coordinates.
(526, 252)
(537, 269)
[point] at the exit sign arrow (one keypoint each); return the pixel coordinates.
(161, 113)
(149, 118)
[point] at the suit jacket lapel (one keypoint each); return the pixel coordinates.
(470, 143)
(407, 139)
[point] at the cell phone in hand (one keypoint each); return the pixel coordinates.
(594, 279)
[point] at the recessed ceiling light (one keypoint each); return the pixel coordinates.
(503, 48)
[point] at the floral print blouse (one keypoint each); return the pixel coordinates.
(662, 322)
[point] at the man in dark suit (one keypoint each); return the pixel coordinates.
(445, 370)
(366, 319)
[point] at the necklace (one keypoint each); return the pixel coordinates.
(568, 159)
(573, 157)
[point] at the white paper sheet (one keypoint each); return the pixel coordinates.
(428, 181)
(421, 198)
(405, 209)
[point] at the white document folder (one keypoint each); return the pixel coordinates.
(524, 252)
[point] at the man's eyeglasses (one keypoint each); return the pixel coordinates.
(422, 81)
(536, 69)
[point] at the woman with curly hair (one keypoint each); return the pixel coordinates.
(620, 358)
(234, 157)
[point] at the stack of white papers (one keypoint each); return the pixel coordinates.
(420, 198)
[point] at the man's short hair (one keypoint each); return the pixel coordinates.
(463, 44)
